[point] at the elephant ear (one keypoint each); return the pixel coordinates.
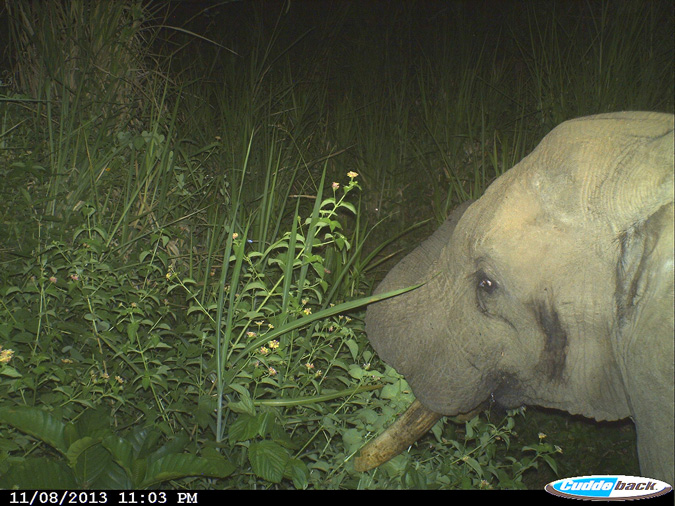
(417, 265)
(615, 184)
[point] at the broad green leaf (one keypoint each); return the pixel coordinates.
(143, 439)
(121, 450)
(94, 422)
(39, 474)
(138, 471)
(78, 447)
(355, 371)
(474, 465)
(352, 439)
(10, 372)
(176, 444)
(245, 404)
(245, 427)
(176, 466)
(268, 460)
(37, 423)
(92, 463)
(298, 472)
(391, 391)
(551, 463)
(112, 477)
(353, 348)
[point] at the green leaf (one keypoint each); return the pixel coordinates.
(551, 463)
(39, 474)
(176, 466)
(245, 427)
(356, 372)
(10, 372)
(93, 464)
(121, 450)
(112, 477)
(352, 439)
(138, 471)
(473, 463)
(78, 447)
(37, 423)
(245, 405)
(297, 471)
(176, 444)
(268, 460)
(143, 439)
(353, 348)
(93, 422)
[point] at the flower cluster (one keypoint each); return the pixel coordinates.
(5, 355)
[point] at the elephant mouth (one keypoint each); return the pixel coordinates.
(408, 428)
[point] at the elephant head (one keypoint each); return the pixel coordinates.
(555, 289)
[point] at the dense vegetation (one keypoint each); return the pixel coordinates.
(196, 205)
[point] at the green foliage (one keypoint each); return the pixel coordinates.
(92, 457)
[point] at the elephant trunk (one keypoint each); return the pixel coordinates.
(409, 427)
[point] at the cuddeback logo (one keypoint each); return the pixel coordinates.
(608, 487)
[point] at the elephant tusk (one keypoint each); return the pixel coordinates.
(407, 429)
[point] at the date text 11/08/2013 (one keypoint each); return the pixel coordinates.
(103, 497)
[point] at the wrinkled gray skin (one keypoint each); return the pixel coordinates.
(555, 288)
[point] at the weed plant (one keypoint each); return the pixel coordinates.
(192, 222)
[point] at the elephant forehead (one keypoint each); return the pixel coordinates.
(586, 171)
(509, 212)
(516, 233)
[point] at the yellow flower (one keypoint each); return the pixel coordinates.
(307, 310)
(351, 174)
(250, 334)
(6, 356)
(542, 435)
(264, 350)
(335, 186)
(272, 371)
(235, 235)
(274, 344)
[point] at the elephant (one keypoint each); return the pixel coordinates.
(554, 289)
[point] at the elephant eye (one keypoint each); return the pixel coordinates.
(485, 284)
(485, 287)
